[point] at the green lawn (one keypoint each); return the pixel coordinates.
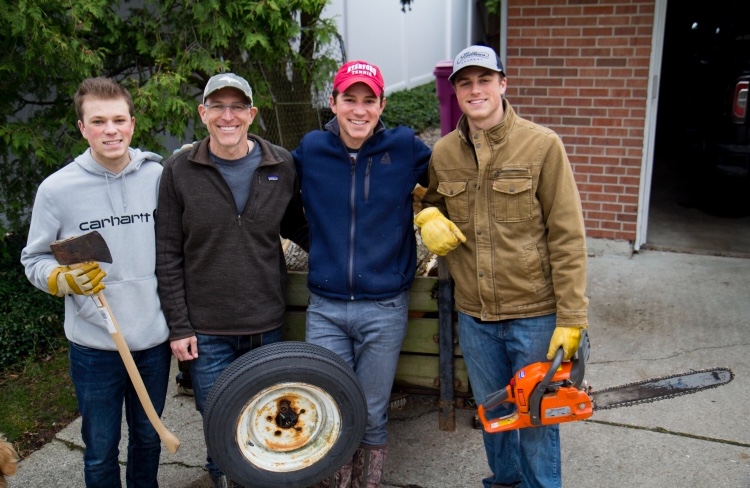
(38, 400)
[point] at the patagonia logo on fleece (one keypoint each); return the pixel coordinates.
(386, 159)
(273, 177)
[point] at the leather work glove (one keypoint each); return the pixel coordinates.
(439, 234)
(567, 338)
(82, 280)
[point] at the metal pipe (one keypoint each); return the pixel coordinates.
(446, 405)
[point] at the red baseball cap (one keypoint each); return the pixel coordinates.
(359, 72)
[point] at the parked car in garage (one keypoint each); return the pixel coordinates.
(703, 122)
(721, 37)
(732, 140)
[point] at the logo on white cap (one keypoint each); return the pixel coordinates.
(472, 56)
(229, 79)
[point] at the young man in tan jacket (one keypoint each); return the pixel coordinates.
(503, 207)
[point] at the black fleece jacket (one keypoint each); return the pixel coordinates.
(220, 273)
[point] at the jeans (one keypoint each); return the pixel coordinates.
(493, 352)
(215, 353)
(101, 384)
(368, 335)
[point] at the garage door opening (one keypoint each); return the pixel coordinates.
(700, 193)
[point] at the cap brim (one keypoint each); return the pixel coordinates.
(344, 85)
(206, 95)
(453, 75)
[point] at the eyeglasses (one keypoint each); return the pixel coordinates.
(236, 108)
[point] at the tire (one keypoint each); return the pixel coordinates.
(286, 414)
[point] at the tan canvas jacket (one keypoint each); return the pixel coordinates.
(511, 191)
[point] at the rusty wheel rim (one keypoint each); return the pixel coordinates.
(288, 426)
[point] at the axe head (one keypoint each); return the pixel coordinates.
(80, 249)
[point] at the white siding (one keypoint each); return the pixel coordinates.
(405, 45)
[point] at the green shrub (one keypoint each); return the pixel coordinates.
(417, 108)
(31, 321)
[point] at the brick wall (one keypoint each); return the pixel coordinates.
(581, 68)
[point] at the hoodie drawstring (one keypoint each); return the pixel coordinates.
(124, 192)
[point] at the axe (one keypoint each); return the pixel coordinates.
(92, 247)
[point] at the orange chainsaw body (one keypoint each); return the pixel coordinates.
(540, 398)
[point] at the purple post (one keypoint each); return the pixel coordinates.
(449, 109)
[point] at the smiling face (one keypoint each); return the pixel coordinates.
(479, 92)
(357, 110)
(108, 127)
(228, 129)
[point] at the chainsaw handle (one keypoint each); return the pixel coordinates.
(578, 368)
(501, 396)
(535, 403)
(495, 399)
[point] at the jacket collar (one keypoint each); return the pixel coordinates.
(269, 154)
(494, 134)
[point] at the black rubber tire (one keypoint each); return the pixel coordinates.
(308, 370)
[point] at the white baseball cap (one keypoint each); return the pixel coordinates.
(228, 80)
(482, 56)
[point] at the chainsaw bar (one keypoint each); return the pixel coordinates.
(655, 389)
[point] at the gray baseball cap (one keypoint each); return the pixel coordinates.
(481, 56)
(228, 80)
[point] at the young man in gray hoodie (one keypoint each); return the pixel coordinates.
(113, 189)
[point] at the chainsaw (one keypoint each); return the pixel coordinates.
(548, 393)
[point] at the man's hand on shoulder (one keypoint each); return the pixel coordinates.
(184, 146)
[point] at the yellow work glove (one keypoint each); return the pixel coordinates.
(567, 338)
(82, 280)
(439, 234)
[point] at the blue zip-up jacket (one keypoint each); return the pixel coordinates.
(362, 243)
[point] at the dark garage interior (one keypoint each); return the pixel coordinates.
(700, 188)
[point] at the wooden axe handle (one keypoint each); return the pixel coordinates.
(169, 439)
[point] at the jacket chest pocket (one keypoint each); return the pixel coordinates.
(512, 198)
(456, 199)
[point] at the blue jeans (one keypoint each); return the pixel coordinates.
(368, 335)
(493, 352)
(102, 383)
(215, 353)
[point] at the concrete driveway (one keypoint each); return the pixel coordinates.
(651, 314)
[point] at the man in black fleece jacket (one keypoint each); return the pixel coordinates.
(223, 203)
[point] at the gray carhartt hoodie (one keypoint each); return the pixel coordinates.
(84, 196)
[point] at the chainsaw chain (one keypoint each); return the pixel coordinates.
(665, 397)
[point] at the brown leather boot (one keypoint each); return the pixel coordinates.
(367, 468)
(340, 479)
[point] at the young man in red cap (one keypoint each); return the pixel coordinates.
(357, 179)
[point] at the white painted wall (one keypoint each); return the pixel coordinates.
(405, 45)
